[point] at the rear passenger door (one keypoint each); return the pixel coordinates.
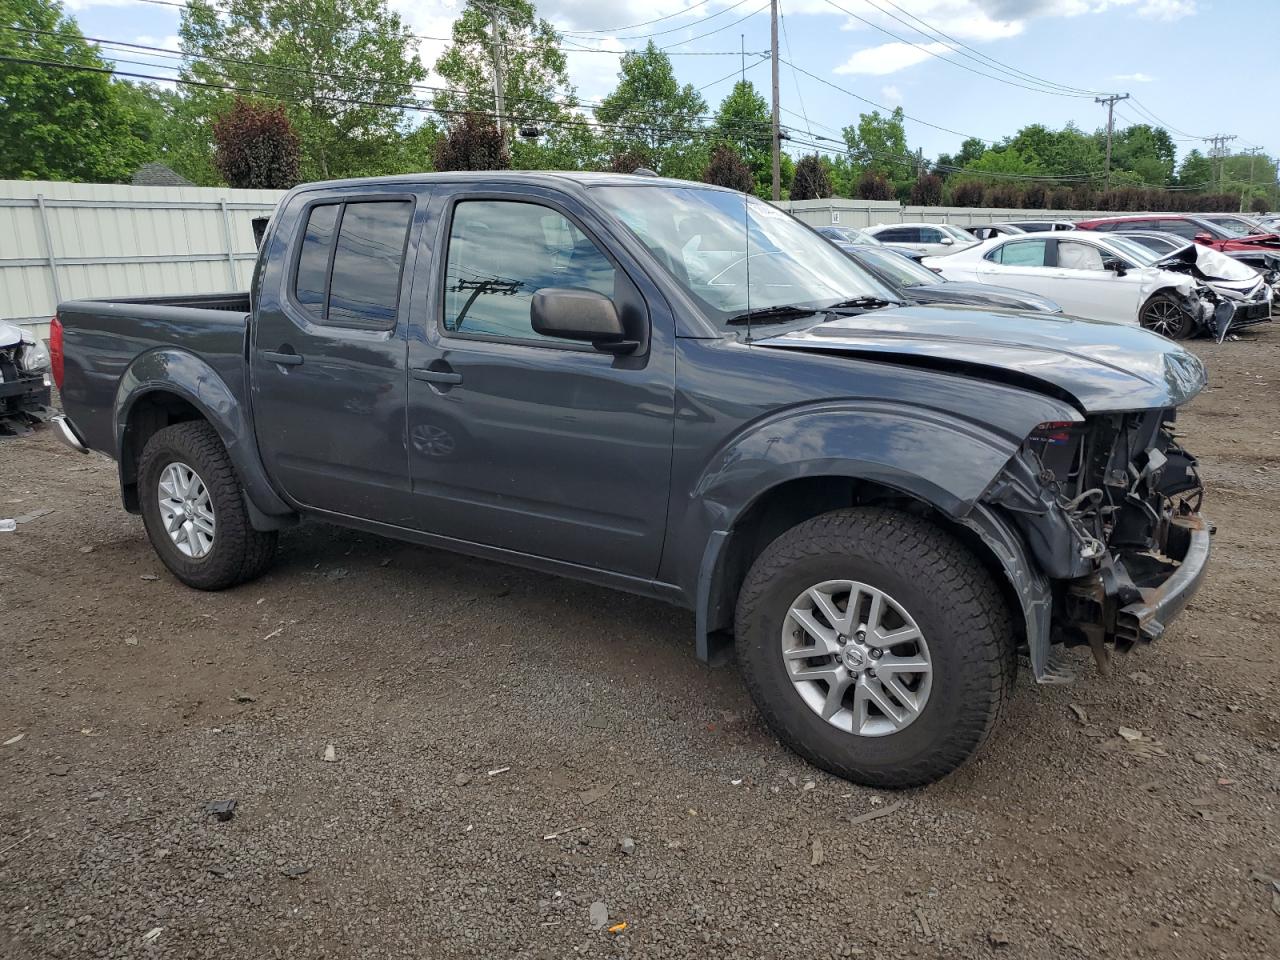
(328, 358)
(528, 443)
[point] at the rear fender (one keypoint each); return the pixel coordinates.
(182, 374)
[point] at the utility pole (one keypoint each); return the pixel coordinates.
(1218, 151)
(777, 132)
(1253, 156)
(1111, 106)
(742, 45)
(499, 114)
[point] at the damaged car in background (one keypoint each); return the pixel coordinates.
(24, 381)
(1096, 276)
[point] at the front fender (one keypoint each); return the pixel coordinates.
(181, 373)
(938, 458)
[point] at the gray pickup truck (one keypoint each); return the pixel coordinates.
(679, 391)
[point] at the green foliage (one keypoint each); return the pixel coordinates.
(967, 193)
(332, 63)
(535, 81)
(1007, 160)
(62, 124)
(255, 147)
(810, 181)
(651, 114)
(1196, 170)
(727, 169)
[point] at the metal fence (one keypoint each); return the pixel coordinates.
(62, 241)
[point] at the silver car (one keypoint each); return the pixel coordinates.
(922, 239)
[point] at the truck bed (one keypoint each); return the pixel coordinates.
(102, 338)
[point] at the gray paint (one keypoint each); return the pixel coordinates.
(625, 470)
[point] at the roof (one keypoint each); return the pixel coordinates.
(159, 175)
(545, 177)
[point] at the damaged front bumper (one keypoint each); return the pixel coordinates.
(1146, 619)
(24, 402)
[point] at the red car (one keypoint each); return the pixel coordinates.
(1229, 236)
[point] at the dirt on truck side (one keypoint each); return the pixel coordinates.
(524, 766)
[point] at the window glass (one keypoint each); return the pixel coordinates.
(929, 235)
(1073, 255)
(1022, 253)
(902, 270)
(1181, 228)
(899, 235)
(313, 262)
(501, 253)
(365, 289)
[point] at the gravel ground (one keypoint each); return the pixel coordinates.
(517, 756)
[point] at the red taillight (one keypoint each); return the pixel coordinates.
(55, 350)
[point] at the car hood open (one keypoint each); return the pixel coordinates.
(1098, 366)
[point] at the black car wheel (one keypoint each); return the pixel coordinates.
(1163, 314)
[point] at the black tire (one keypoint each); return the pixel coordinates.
(1163, 314)
(239, 552)
(954, 601)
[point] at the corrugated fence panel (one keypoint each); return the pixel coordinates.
(114, 240)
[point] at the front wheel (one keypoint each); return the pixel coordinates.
(1163, 314)
(875, 645)
(194, 511)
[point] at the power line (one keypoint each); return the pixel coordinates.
(955, 63)
(881, 106)
(681, 43)
(167, 53)
(762, 58)
(563, 49)
(644, 23)
(683, 26)
(933, 33)
(1146, 111)
(795, 78)
(415, 105)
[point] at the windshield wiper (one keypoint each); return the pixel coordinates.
(778, 314)
(867, 301)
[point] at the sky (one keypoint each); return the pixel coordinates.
(1202, 67)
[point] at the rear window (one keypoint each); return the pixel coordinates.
(351, 261)
(1019, 253)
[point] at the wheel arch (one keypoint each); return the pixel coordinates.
(167, 386)
(731, 553)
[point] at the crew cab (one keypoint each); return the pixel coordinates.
(680, 391)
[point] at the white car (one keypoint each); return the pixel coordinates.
(922, 239)
(1097, 276)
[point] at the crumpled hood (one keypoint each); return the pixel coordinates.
(1209, 265)
(10, 335)
(1101, 366)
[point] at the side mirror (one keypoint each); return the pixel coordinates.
(1115, 265)
(1204, 237)
(947, 241)
(580, 315)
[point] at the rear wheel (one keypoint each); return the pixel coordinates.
(194, 511)
(875, 645)
(1163, 314)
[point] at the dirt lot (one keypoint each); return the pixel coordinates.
(474, 710)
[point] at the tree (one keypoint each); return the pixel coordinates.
(60, 124)
(927, 191)
(727, 169)
(255, 147)
(535, 79)
(1007, 160)
(340, 67)
(879, 143)
(472, 142)
(1196, 171)
(874, 186)
(810, 181)
(650, 113)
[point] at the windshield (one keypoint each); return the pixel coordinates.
(955, 232)
(903, 270)
(848, 235)
(735, 253)
(1143, 256)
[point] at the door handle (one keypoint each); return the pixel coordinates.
(436, 376)
(284, 359)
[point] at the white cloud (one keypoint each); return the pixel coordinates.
(1134, 77)
(1167, 9)
(890, 58)
(891, 93)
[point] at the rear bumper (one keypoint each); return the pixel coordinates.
(67, 434)
(1147, 618)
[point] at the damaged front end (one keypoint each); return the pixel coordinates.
(1109, 509)
(24, 381)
